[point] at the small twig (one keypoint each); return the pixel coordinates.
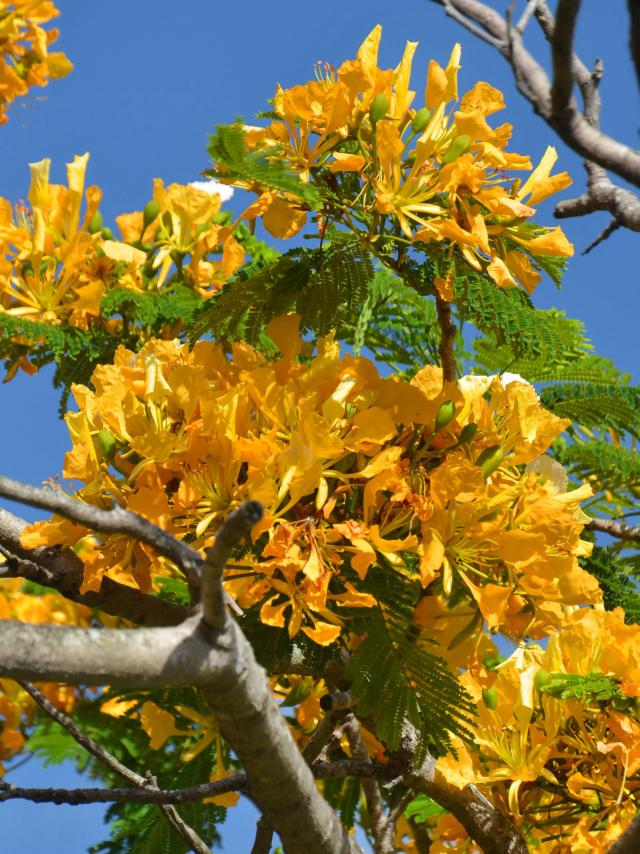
(382, 834)
(181, 827)
(526, 16)
(454, 13)
(615, 529)
(338, 700)
(148, 782)
(634, 34)
(614, 225)
(447, 340)
(235, 528)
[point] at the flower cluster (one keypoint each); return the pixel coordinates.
(25, 58)
(564, 765)
(57, 262)
(435, 176)
(440, 482)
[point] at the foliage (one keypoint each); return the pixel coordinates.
(409, 517)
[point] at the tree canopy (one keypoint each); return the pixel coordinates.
(326, 531)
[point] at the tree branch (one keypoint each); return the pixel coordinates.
(62, 570)
(114, 521)
(563, 59)
(447, 340)
(177, 822)
(629, 841)
(615, 529)
(634, 34)
(235, 528)
(574, 128)
(383, 841)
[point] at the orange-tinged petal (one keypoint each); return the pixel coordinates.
(552, 241)
(282, 220)
(483, 97)
(500, 274)
(346, 162)
(158, 724)
(322, 633)
(284, 331)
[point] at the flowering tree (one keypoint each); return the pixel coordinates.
(278, 567)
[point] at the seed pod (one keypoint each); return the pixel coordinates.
(421, 120)
(445, 414)
(490, 459)
(107, 234)
(378, 108)
(542, 678)
(467, 433)
(460, 145)
(106, 444)
(95, 223)
(490, 697)
(150, 212)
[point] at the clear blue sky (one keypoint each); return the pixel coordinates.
(151, 79)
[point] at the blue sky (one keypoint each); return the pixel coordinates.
(150, 82)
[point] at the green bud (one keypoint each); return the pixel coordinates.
(421, 120)
(542, 678)
(106, 444)
(468, 432)
(95, 223)
(150, 212)
(492, 661)
(490, 697)
(460, 145)
(26, 268)
(490, 459)
(445, 414)
(378, 108)
(107, 234)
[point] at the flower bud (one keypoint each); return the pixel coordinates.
(95, 223)
(490, 459)
(468, 433)
(378, 108)
(106, 444)
(460, 145)
(542, 678)
(421, 120)
(445, 414)
(150, 212)
(490, 697)
(107, 234)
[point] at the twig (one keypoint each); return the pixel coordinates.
(150, 795)
(148, 782)
(447, 339)
(634, 34)
(573, 127)
(615, 529)
(235, 528)
(382, 834)
(114, 521)
(526, 15)
(469, 25)
(604, 234)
